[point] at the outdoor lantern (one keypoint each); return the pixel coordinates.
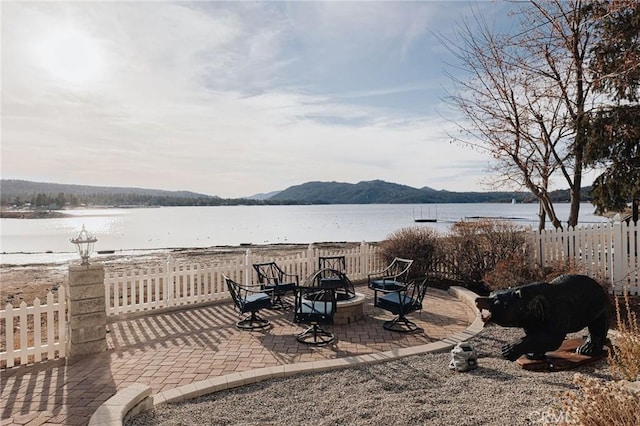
(84, 243)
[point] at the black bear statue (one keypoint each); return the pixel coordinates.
(547, 312)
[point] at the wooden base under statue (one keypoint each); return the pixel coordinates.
(563, 358)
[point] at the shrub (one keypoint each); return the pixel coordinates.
(472, 249)
(625, 357)
(556, 268)
(516, 269)
(599, 403)
(417, 243)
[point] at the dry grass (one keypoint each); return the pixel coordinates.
(600, 403)
(625, 359)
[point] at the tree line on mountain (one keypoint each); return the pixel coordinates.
(38, 195)
(62, 200)
(379, 192)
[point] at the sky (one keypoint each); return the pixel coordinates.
(233, 98)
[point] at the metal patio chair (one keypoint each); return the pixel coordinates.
(249, 299)
(393, 277)
(402, 302)
(271, 277)
(315, 306)
(332, 273)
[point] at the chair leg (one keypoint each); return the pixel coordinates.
(279, 304)
(401, 324)
(252, 322)
(315, 336)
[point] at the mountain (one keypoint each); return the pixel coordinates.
(24, 188)
(381, 192)
(41, 194)
(262, 195)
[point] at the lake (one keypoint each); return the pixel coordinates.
(124, 230)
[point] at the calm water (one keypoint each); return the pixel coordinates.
(47, 240)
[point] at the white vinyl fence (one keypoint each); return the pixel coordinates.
(608, 251)
(180, 283)
(31, 333)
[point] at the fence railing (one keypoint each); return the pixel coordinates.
(610, 251)
(31, 333)
(180, 283)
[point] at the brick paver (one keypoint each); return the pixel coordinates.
(171, 349)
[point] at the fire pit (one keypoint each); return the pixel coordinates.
(350, 305)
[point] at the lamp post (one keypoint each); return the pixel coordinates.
(86, 306)
(84, 243)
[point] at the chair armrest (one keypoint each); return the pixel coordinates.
(402, 289)
(255, 289)
(291, 275)
(382, 277)
(379, 274)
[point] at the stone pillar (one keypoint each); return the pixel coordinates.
(86, 310)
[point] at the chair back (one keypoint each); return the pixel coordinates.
(269, 273)
(416, 290)
(234, 290)
(314, 305)
(332, 278)
(399, 268)
(337, 263)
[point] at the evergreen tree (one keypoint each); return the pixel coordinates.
(614, 132)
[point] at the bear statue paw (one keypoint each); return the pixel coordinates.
(536, 357)
(588, 348)
(510, 352)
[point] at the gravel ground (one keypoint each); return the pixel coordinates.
(419, 390)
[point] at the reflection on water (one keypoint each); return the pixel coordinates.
(173, 227)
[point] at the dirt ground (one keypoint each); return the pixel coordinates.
(26, 282)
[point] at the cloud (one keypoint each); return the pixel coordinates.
(228, 98)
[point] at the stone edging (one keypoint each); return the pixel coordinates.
(131, 400)
(136, 398)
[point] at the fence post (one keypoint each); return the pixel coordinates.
(312, 260)
(365, 256)
(169, 287)
(87, 315)
(618, 273)
(538, 236)
(248, 265)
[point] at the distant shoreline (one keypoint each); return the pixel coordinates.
(32, 214)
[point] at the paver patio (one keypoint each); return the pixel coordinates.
(171, 349)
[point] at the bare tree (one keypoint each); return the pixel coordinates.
(523, 97)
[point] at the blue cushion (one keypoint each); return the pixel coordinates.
(387, 284)
(396, 303)
(315, 311)
(256, 301)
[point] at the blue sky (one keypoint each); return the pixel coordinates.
(232, 98)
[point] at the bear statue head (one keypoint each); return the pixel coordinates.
(514, 307)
